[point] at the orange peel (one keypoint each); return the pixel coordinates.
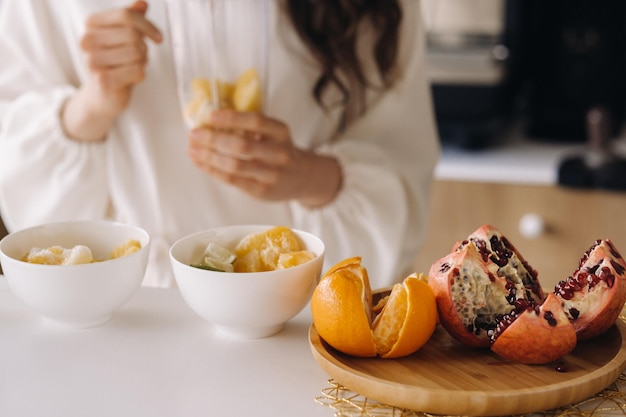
(343, 314)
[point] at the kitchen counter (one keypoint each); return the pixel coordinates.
(514, 187)
(518, 160)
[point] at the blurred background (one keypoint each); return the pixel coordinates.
(529, 100)
(494, 62)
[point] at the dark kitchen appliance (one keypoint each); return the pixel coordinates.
(574, 58)
(473, 58)
(598, 166)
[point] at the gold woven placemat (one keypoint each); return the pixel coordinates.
(345, 403)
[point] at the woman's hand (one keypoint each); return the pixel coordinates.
(255, 154)
(116, 53)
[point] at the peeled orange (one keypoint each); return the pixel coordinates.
(343, 314)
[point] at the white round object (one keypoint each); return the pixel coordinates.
(531, 226)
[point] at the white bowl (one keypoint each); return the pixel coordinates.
(244, 305)
(75, 296)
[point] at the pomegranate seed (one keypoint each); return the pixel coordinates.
(618, 267)
(549, 317)
(561, 367)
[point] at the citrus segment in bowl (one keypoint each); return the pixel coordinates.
(261, 251)
(290, 259)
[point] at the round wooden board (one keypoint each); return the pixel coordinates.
(445, 377)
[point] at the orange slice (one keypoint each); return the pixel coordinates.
(290, 259)
(408, 319)
(225, 92)
(247, 94)
(201, 88)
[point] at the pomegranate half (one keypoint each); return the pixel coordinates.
(593, 296)
(483, 278)
(489, 296)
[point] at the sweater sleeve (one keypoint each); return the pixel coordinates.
(44, 176)
(388, 157)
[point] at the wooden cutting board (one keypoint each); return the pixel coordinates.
(445, 377)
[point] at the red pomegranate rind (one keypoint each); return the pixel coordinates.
(536, 335)
(482, 279)
(593, 296)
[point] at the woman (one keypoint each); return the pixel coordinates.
(90, 127)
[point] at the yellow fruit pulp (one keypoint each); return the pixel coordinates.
(262, 251)
(245, 94)
(290, 259)
(408, 319)
(79, 254)
(127, 248)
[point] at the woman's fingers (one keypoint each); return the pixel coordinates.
(254, 123)
(110, 37)
(131, 17)
(116, 48)
(124, 55)
(118, 78)
(242, 145)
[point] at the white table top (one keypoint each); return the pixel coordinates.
(154, 358)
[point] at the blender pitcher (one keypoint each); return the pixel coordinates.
(220, 55)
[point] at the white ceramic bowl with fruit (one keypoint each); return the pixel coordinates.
(68, 290)
(248, 305)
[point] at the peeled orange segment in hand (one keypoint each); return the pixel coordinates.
(198, 109)
(201, 88)
(225, 92)
(408, 319)
(247, 94)
(342, 313)
(341, 309)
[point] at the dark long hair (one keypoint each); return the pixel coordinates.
(330, 29)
